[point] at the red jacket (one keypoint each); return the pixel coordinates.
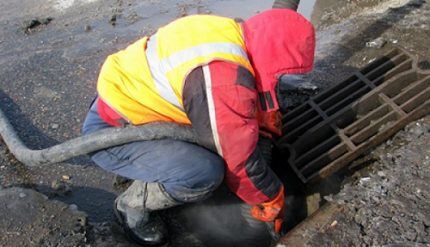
(222, 99)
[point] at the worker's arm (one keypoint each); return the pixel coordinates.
(220, 100)
(286, 4)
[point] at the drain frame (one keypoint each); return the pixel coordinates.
(339, 124)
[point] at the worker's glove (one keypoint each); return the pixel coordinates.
(271, 212)
(270, 123)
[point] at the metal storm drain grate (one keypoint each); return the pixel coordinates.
(334, 127)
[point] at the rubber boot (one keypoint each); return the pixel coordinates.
(135, 211)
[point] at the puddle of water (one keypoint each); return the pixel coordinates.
(237, 8)
(306, 8)
(249, 7)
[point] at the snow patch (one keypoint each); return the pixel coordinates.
(384, 6)
(65, 4)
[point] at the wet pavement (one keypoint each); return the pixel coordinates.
(50, 55)
(48, 73)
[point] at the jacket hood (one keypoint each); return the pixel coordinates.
(278, 41)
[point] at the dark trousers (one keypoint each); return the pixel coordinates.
(187, 171)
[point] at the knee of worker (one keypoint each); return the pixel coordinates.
(208, 174)
(198, 182)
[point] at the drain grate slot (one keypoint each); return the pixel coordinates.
(356, 111)
(322, 161)
(398, 85)
(378, 62)
(337, 125)
(366, 120)
(385, 67)
(341, 94)
(292, 136)
(291, 115)
(404, 66)
(332, 91)
(423, 98)
(374, 128)
(411, 91)
(317, 151)
(313, 139)
(299, 121)
(348, 100)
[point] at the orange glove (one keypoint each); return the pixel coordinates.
(270, 123)
(272, 211)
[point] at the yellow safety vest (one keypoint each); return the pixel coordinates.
(144, 82)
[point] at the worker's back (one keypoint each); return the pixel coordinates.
(144, 82)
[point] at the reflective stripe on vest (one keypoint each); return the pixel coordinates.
(158, 73)
(160, 68)
(144, 83)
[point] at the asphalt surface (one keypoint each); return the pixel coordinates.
(50, 55)
(48, 74)
(29, 218)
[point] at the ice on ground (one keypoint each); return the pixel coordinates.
(62, 5)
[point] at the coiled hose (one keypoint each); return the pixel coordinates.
(102, 139)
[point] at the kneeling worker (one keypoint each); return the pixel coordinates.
(219, 76)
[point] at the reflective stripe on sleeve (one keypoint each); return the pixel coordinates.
(211, 106)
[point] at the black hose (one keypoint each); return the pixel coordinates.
(102, 139)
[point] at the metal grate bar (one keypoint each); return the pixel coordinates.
(337, 125)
